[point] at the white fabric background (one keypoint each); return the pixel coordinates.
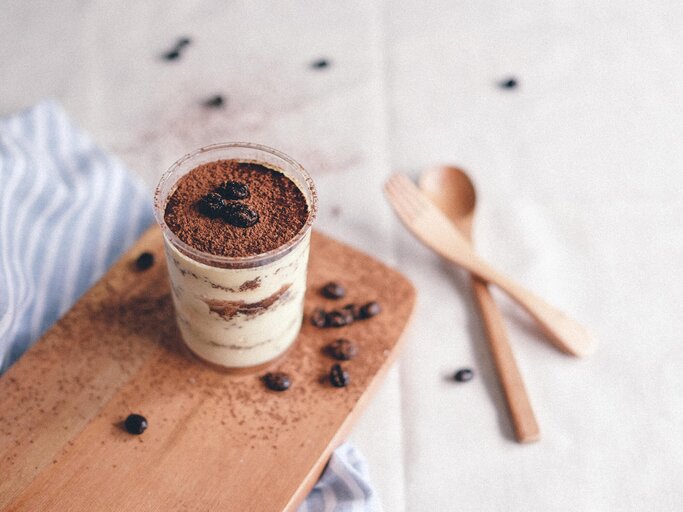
(580, 176)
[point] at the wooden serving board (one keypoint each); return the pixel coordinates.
(215, 441)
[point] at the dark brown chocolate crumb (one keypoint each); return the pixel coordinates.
(239, 215)
(319, 317)
(463, 375)
(135, 424)
(281, 205)
(333, 290)
(342, 349)
(216, 101)
(144, 261)
(233, 191)
(370, 309)
(338, 377)
(277, 381)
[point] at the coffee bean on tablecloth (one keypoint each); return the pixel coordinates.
(320, 64)
(463, 375)
(175, 52)
(508, 83)
(216, 101)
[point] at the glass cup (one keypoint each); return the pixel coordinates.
(237, 312)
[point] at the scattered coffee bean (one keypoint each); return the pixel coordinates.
(215, 102)
(348, 315)
(172, 55)
(354, 309)
(333, 290)
(183, 42)
(510, 83)
(338, 377)
(136, 424)
(233, 190)
(342, 349)
(339, 318)
(464, 375)
(240, 215)
(277, 381)
(370, 309)
(211, 205)
(144, 261)
(319, 318)
(320, 64)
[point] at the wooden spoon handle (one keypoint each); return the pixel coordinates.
(565, 333)
(521, 413)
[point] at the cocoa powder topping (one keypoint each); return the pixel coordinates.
(278, 201)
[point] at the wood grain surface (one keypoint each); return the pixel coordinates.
(215, 441)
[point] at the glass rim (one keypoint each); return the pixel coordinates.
(233, 261)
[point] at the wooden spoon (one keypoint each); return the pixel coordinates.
(453, 192)
(434, 229)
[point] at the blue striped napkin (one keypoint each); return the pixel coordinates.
(68, 210)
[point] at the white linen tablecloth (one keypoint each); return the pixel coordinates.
(580, 180)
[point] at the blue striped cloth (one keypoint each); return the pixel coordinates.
(68, 210)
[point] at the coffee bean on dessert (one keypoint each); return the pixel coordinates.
(320, 64)
(216, 101)
(211, 205)
(144, 261)
(277, 381)
(509, 83)
(338, 377)
(239, 215)
(339, 318)
(319, 317)
(370, 309)
(342, 349)
(354, 309)
(463, 375)
(233, 190)
(333, 290)
(136, 424)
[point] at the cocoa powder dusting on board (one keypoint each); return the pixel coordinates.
(280, 204)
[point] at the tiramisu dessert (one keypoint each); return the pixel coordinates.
(236, 220)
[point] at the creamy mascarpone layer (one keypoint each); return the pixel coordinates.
(239, 317)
